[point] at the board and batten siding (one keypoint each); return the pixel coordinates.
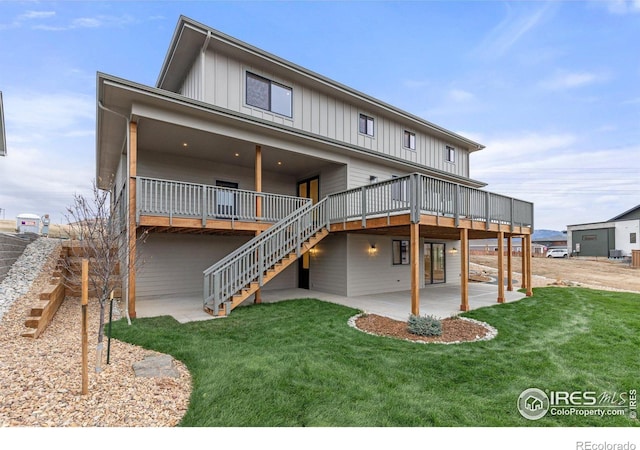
(374, 273)
(328, 266)
(192, 85)
(319, 111)
(172, 264)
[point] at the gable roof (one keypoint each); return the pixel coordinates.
(633, 213)
(191, 37)
(3, 136)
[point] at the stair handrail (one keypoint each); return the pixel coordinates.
(259, 254)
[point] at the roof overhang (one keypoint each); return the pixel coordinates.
(191, 37)
(121, 101)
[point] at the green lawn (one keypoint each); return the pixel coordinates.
(298, 363)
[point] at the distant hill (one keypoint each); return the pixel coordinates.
(545, 234)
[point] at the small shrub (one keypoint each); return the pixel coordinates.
(424, 325)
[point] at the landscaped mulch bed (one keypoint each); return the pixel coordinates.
(454, 329)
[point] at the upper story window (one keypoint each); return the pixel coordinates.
(366, 125)
(409, 140)
(268, 95)
(451, 154)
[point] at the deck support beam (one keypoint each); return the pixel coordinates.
(464, 269)
(258, 188)
(415, 268)
(133, 226)
(526, 241)
(509, 263)
(501, 267)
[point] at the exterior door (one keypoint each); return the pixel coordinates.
(309, 188)
(434, 263)
(226, 201)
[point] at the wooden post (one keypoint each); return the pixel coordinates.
(258, 177)
(523, 282)
(501, 267)
(85, 342)
(529, 267)
(133, 168)
(509, 264)
(464, 270)
(415, 268)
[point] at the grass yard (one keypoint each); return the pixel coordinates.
(298, 363)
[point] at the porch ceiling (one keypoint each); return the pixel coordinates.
(167, 138)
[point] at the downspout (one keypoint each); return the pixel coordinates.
(125, 144)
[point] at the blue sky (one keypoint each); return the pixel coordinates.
(552, 89)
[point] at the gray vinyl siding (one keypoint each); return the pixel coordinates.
(172, 264)
(192, 85)
(360, 172)
(192, 170)
(320, 111)
(328, 267)
(371, 274)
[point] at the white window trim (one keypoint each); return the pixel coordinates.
(415, 140)
(373, 125)
(450, 154)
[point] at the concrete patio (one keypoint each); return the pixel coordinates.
(440, 300)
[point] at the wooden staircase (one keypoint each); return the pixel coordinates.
(269, 275)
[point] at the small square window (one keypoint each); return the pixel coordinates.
(451, 154)
(632, 238)
(365, 125)
(400, 251)
(409, 140)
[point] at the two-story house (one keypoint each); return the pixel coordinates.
(244, 171)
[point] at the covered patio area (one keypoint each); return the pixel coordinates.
(440, 300)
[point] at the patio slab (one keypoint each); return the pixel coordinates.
(440, 300)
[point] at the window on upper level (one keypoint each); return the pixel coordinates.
(269, 95)
(451, 154)
(366, 125)
(409, 140)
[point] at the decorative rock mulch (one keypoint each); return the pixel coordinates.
(41, 379)
(455, 330)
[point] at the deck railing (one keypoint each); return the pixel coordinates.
(420, 194)
(250, 262)
(414, 194)
(168, 198)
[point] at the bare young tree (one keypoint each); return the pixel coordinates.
(98, 233)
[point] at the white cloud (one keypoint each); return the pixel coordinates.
(458, 95)
(561, 175)
(570, 80)
(37, 112)
(621, 6)
(29, 15)
(511, 29)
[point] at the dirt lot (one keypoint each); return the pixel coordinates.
(56, 231)
(598, 274)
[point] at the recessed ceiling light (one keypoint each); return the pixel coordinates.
(279, 163)
(237, 154)
(185, 145)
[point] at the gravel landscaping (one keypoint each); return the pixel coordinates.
(41, 379)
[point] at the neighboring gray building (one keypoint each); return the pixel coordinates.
(3, 134)
(347, 194)
(615, 238)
